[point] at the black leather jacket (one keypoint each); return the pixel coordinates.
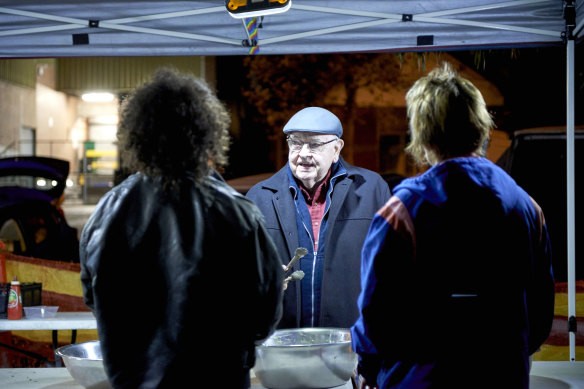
(182, 286)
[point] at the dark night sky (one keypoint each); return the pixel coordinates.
(533, 84)
(532, 81)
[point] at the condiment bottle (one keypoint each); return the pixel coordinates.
(14, 301)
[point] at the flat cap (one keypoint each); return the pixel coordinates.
(315, 119)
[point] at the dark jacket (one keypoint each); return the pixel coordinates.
(181, 285)
(456, 276)
(355, 199)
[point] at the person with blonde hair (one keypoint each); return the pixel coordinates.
(457, 288)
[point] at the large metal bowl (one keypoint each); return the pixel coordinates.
(305, 358)
(85, 364)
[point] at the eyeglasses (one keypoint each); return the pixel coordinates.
(313, 147)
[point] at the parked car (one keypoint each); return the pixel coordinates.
(536, 160)
(32, 222)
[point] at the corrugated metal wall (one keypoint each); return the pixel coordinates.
(117, 73)
(22, 72)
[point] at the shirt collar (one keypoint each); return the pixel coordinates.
(319, 193)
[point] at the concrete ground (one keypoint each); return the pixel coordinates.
(77, 214)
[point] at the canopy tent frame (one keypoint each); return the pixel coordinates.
(117, 24)
(380, 18)
(570, 18)
(310, 26)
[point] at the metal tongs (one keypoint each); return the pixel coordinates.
(298, 274)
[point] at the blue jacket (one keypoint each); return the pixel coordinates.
(457, 287)
(355, 198)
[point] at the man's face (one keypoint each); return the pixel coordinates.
(310, 156)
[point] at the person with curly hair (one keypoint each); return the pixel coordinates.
(178, 267)
(457, 284)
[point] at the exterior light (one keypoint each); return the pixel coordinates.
(98, 97)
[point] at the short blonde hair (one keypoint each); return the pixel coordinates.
(447, 116)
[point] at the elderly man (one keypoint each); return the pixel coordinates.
(320, 202)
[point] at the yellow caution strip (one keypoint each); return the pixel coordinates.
(55, 276)
(561, 307)
(557, 353)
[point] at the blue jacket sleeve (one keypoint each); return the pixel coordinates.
(541, 291)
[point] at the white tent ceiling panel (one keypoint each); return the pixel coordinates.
(54, 28)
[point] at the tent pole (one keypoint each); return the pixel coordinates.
(571, 199)
(203, 64)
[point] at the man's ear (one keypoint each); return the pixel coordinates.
(338, 147)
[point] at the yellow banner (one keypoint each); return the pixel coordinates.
(104, 165)
(101, 153)
(53, 279)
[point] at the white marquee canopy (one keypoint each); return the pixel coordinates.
(82, 28)
(55, 28)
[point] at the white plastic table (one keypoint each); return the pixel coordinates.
(59, 378)
(544, 375)
(62, 321)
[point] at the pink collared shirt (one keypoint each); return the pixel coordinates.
(316, 205)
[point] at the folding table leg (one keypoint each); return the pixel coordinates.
(55, 346)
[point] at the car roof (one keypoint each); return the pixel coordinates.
(21, 176)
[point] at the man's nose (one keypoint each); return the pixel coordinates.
(305, 151)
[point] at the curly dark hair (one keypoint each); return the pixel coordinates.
(172, 127)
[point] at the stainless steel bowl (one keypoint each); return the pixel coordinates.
(305, 358)
(85, 364)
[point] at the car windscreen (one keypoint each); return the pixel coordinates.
(43, 184)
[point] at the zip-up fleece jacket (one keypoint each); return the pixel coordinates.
(457, 284)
